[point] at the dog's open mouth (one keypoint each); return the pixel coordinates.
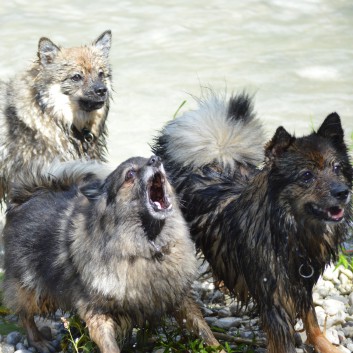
(90, 105)
(332, 214)
(157, 195)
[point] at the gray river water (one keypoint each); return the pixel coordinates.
(295, 56)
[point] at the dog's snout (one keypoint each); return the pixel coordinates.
(154, 161)
(100, 90)
(340, 191)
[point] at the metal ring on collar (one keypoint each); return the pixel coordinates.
(89, 137)
(306, 275)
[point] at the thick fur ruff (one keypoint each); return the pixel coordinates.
(225, 133)
(57, 108)
(268, 233)
(113, 247)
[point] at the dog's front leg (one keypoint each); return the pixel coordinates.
(315, 336)
(189, 315)
(103, 330)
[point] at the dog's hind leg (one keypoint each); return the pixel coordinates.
(315, 336)
(103, 330)
(35, 338)
(189, 315)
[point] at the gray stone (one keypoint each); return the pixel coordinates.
(324, 288)
(345, 289)
(333, 306)
(331, 273)
(347, 272)
(206, 311)
(343, 278)
(20, 346)
(332, 336)
(6, 348)
(224, 312)
(317, 299)
(22, 351)
(350, 299)
(13, 338)
(56, 344)
(348, 331)
(217, 297)
(339, 297)
(228, 322)
(211, 319)
(247, 334)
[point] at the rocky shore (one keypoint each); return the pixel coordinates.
(333, 298)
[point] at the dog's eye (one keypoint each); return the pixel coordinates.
(101, 74)
(130, 175)
(307, 176)
(76, 77)
(336, 169)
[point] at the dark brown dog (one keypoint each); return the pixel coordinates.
(268, 233)
(115, 248)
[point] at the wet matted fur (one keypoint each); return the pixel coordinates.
(268, 233)
(57, 108)
(113, 247)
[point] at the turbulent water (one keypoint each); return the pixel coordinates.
(296, 57)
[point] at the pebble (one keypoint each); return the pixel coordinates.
(228, 322)
(332, 296)
(6, 348)
(13, 338)
(333, 306)
(20, 346)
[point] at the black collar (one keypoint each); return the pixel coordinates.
(85, 136)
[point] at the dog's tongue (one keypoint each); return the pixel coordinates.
(159, 206)
(335, 213)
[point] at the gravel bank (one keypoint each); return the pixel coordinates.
(333, 298)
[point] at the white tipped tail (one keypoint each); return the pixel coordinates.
(220, 131)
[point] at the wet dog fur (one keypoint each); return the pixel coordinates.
(267, 232)
(57, 108)
(112, 247)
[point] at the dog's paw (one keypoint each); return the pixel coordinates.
(43, 346)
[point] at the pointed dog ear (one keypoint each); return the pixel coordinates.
(331, 129)
(279, 143)
(103, 42)
(47, 51)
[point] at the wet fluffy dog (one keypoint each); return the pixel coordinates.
(114, 248)
(55, 109)
(267, 233)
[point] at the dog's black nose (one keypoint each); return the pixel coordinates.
(340, 191)
(100, 90)
(154, 161)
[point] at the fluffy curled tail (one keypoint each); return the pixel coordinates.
(56, 176)
(220, 131)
